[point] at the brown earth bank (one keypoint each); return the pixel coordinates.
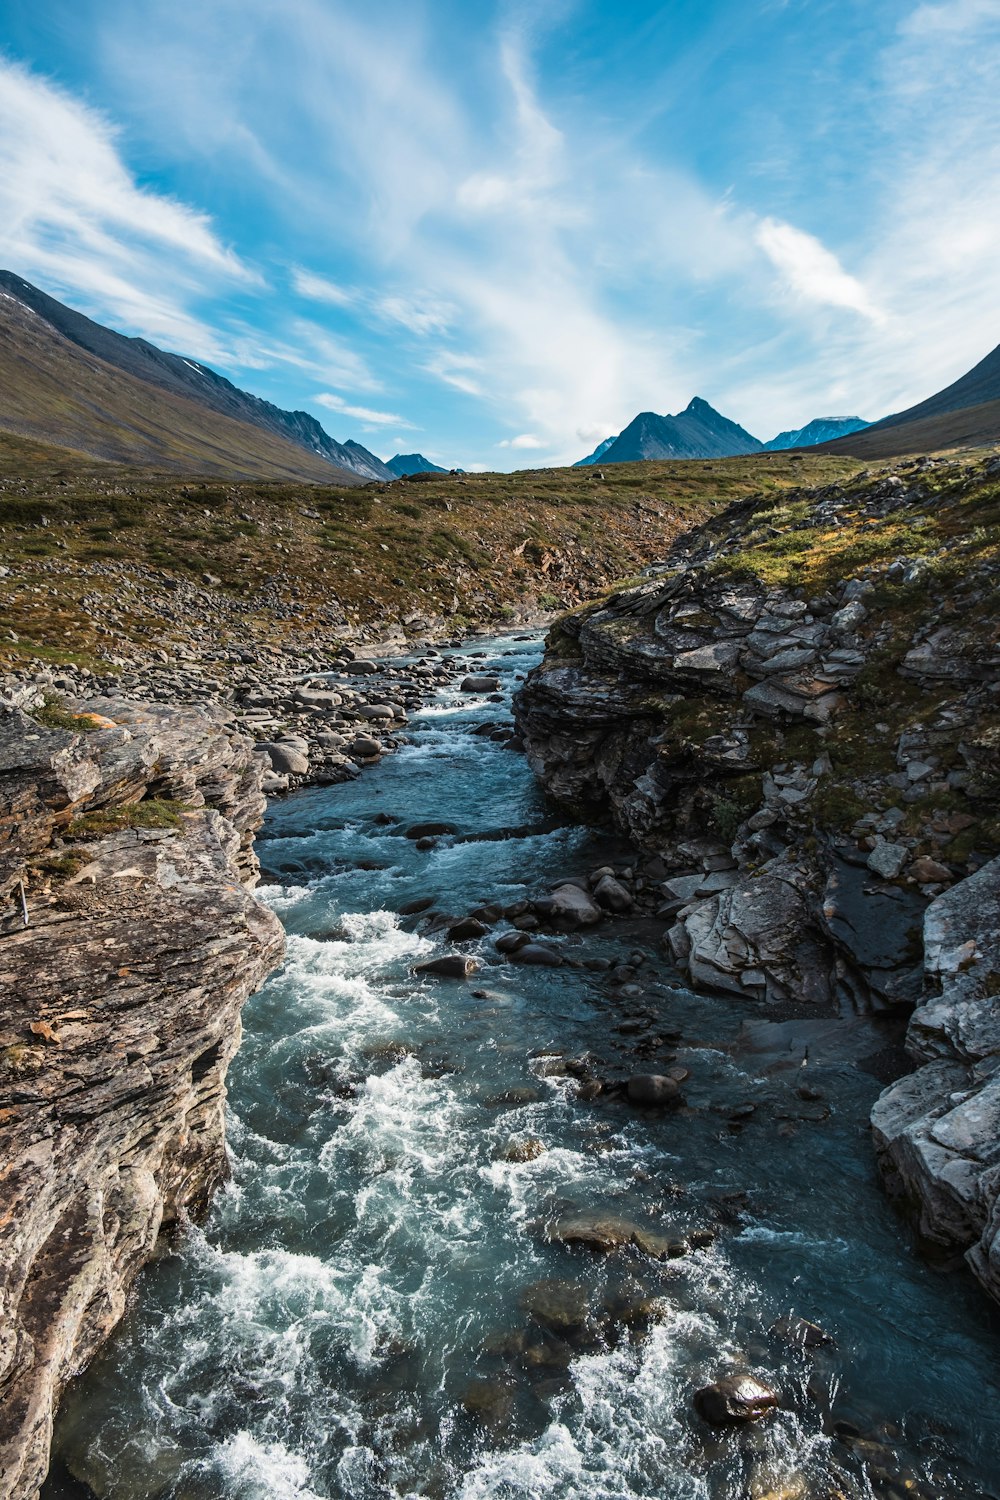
(800, 715)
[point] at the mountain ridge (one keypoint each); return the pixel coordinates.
(183, 378)
(699, 431)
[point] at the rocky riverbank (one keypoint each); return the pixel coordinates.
(799, 715)
(130, 940)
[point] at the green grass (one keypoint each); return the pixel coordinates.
(152, 812)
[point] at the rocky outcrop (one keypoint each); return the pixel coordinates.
(937, 1131)
(126, 836)
(798, 716)
(802, 720)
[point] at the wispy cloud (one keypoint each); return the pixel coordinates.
(321, 289)
(361, 413)
(812, 272)
(72, 214)
(523, 441)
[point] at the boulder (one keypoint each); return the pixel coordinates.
(654, 1089)
(479, 683)
(449, 966)
(538, 954)
(285, 760)
(466, 930)
(612, 895)
(735, 1400)
(570, 904)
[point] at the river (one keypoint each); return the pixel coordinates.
(374, 1308)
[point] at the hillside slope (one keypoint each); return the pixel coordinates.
(964, 414)
(45, 333)
(104, 561)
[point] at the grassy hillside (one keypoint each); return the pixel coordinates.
(971, 427)
(95, 551)
(50, 386)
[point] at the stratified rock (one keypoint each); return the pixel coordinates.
(735, 1400)
(119, 1013)
(937, 1131)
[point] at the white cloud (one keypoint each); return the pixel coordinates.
(420, 316)
(72, 214)
(321, 289)
(525, 440)
(361, 413)
(456, 370)
(811, 271)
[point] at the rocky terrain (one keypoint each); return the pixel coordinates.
(799, 716)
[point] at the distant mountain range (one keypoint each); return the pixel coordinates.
(67, 380)
(699, 431)
(964, 414)
(819, 430)
(412, 463)
(598, 453)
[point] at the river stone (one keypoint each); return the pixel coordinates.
(510, 942)
(612, 894)
(285, 760)
(465, 930)
(374, 711)
(365, 746)
(479, 684)
(653, 1089)
(414, 908)
(539, 954)
(429, 830)
(568, 903)
(606, 1232)
(888, 860)
(563, 1306)
(449, 966)
(734, 1400)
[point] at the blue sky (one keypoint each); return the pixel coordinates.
(494, 232)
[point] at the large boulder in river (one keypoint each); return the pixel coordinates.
(479, 683)
(735, 1400)
(654, 1090)
(570, 904)
(449, 966)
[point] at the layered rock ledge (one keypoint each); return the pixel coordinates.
(126, 835)
(798, 713)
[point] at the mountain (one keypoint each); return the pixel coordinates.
(412, 463)
(68, 380)
(964, 414)
(819, 430)
(598, 453)
(699, 431)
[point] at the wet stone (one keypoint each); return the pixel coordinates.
(735, 1400)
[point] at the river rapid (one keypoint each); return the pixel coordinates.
(374, 1307)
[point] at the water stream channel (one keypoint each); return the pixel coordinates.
(374, 1308)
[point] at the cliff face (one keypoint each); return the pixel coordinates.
(119, 1014)
(800, 713)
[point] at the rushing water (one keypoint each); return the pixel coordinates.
(373, 1309)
